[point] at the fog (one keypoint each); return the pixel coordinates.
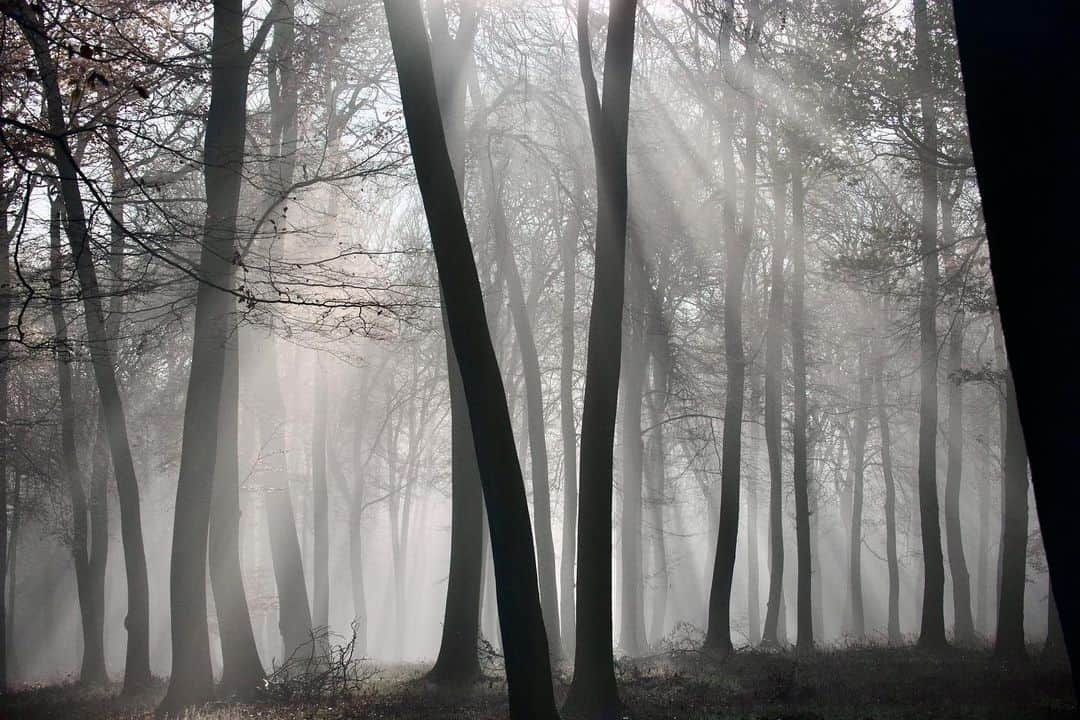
(800, 184)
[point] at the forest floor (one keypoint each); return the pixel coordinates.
(845, 684)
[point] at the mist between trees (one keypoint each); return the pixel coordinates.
(635, 326)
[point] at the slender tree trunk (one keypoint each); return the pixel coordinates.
(321, 501)
(592, 691)
(534, 410)
(568, 251)
(5, 364)
(526, 656)
(241, 667)
(753, 559)
(1012, 56)
(634, 361)
(137, 667)
(964, 630)
(932, 632)
(858, 460)
(891, 559)
(774, 367)
(1009, 642)
(718, 635)
(804, 581)
(982, 595)
(93, 659)
(657, 485)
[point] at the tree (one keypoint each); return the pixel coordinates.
(223, 161)
(528, 669)
(932, 632)
(737, 245)
(592, 690)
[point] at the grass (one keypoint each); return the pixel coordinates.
(859, 683)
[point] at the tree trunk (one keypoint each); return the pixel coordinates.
(804, 580)
(753, 559)
(137, 666)
(241, 667)
(592, 691)
(458, 662)
(527, 662)
(657, 480)
(321, 501)
(774, 368)
(964, 629)
(1012, 57)
(5, 361)
(932, 632)
(93, 659)
(568, 250)
(718, 635)
(891, 559)
(1009, 642)
(192, 678)
(635, 359)
(858, 461)
(534, 409)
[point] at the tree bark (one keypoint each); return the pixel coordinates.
(527, 662)
(5, 364)
(137, 622)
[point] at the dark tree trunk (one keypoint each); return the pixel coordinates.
(964, 629)
(241, 668)
(891, 559)
(321, 506)
(1013, 56)
(93, 659)
(1009, 642)
(458, 662)
(592, 690)
(1054, 648)
(774, 367)
(858, 462)
(932, 632)
(525, 647)
(137, 622)
(804, 580)
(192, 678)
(718, 635)
(568, 250)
